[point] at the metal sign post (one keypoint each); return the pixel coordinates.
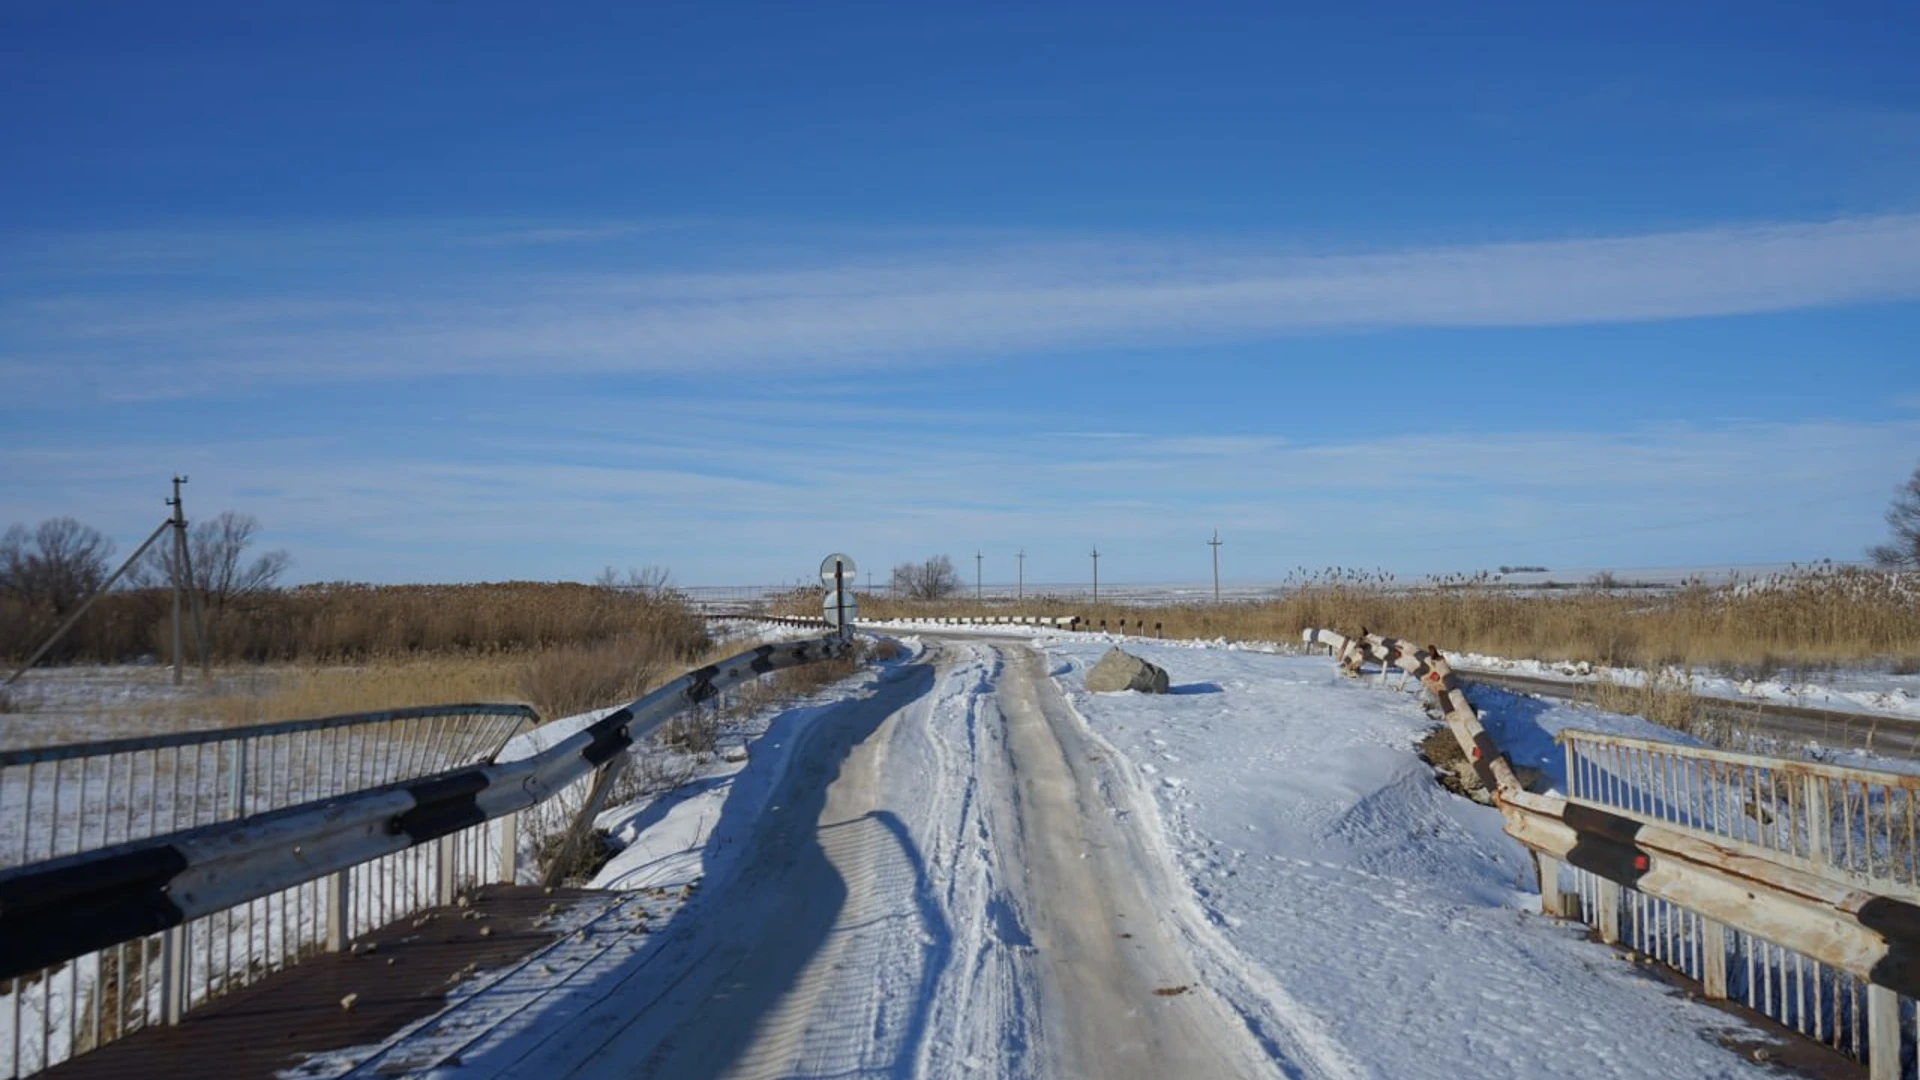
(839, 606)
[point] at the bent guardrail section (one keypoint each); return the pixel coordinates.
(1763, 913)
(99, 943)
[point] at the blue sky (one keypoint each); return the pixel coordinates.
(474, 293)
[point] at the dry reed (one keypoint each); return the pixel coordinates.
(340, 623)
(1803, 621)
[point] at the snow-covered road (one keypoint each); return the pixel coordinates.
(970, 865)
(943, 882)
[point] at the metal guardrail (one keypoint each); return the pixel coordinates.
(1858, 825)
(97, 944)
(1056, 622)
(1664, 860)
(1854, 827)
(62, 800)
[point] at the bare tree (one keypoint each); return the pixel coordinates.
(217, 549)
(1903, 551)
(934, 579)
(58, 565)
(653, 581)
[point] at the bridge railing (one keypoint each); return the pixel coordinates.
(1785, 885)
(63, 800)
(1856, 826)
(59, 802)
(99, 942)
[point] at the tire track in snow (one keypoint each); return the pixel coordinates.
(1291, 1034)
(940, 884)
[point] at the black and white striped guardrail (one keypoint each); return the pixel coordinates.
(1437, 678)
(59, 909)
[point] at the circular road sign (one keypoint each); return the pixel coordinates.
(830, 608)
(844, 562)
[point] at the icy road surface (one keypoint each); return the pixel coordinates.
(971, 866)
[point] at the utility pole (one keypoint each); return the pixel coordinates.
(1096, 573)
(182, 566)
(1020, 589)
(978, 561)
(1215, 545)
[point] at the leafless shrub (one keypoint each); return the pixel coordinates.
(216, 550)
(1902, 552)
(1664, 697)
(934, 579)
(56, 566)
(652, 770)
(567, 860)
(696, 733)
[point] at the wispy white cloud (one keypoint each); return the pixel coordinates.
(376, 314)
(708, 499)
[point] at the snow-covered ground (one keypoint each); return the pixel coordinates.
(1400, 916)
(1838, 689)
(1359, 920)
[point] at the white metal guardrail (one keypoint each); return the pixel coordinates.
(68, 800)
(1854, 827)
(1860, 824)
(62, 800)
(1727, 867)
(101, 942)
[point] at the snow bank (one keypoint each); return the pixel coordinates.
(1401, 917)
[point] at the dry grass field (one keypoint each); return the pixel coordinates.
(324, 650)
(1808, 621)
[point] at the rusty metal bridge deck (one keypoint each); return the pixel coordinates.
(277, 1022)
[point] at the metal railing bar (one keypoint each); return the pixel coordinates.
(65, 907)
(67, 751)
(1732, 757)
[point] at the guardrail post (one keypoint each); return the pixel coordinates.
(237, 791)
(339, 910)
(1552, 901)
(1606, 910)
(509, 848)
(1883, 1033)
(1713, 960)
(1819, 820)
(173, 975)
(447, 857)
(582, 825)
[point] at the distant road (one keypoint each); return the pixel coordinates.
(1893, 736)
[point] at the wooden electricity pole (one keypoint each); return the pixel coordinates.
(1215, 545)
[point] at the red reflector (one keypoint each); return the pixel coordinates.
(1476, 753)
(1639, 862)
